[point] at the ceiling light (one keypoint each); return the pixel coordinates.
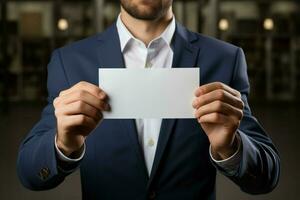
(63, 24)
(268, 24)
(223, 24)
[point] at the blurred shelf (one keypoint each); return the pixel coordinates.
(273, 57)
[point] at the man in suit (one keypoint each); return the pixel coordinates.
(148, 158)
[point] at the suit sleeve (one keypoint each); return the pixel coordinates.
(259, 168)
(37, 166)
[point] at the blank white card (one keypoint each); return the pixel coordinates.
(149, 93)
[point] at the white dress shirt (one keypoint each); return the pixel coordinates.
(158, 54)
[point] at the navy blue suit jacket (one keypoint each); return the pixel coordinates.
(113, 166)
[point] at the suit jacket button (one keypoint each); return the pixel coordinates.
(152, 195)
(44, 173)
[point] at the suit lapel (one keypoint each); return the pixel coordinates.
(185, 55)
(110, 50)
(110, 56)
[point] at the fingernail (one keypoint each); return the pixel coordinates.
(198, 92)
(194, 104)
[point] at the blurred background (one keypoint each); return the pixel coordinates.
(267, 30)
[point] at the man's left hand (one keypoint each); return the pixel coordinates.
(219, 110)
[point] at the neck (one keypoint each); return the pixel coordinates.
(146, 30)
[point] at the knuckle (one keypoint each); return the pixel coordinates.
(216, 116)
(80, 94)
(55, 102)
(220, 94)
(204, 99)
(61, 93)
(242, 105)
(220, 85)
(80, 105)
(241, 114)
(219, 105)
(81, 83)
(81, 119)
(103, 93)
(95, 91)
(56, 112)
(199, 100)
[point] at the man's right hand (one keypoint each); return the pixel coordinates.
(78, 110)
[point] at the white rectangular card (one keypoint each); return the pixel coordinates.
(149, 93)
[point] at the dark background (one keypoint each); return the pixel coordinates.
(267, 30)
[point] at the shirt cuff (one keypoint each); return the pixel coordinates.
(230, 165)
(64, 158)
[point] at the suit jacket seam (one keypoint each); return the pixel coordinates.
(63, 67)
(236, 63)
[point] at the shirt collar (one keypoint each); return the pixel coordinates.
(125, 36)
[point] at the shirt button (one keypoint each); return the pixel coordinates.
(152, 195)
(44, 173)
(151, 142)
(148, 65)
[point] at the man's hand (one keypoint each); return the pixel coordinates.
(219, 110)
(78, 110)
